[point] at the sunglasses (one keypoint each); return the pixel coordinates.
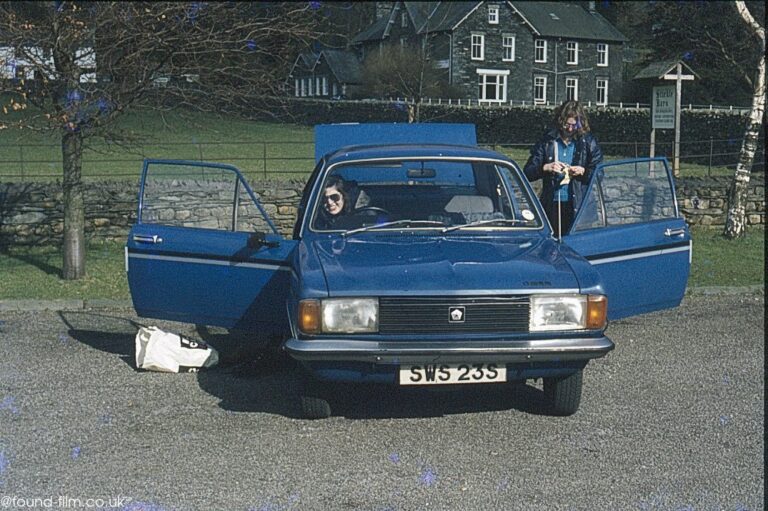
(570, 125)
(334, 197)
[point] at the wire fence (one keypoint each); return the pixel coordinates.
(295, 159)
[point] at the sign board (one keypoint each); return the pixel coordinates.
(663, 107)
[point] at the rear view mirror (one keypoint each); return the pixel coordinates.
(421, 173)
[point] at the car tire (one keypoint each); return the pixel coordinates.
(313, 407)
(564, 394)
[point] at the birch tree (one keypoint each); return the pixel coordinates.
(736, 221)
(73, 68)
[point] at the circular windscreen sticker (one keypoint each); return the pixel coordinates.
(528, 214)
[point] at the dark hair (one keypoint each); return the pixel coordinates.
(572, 108)
(343, 188)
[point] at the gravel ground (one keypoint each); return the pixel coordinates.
(673, 419)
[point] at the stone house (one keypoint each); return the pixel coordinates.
(499, 52)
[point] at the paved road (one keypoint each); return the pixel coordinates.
(672, 419)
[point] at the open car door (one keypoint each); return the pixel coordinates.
(630, 229)
(199, 251)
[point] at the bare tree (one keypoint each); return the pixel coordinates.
(736, 222)
(73, 68)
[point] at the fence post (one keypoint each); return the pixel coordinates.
(264, 145)
(21, 159)
(711, 150)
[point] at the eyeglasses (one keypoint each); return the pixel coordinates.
(334, 197)
(570, 125)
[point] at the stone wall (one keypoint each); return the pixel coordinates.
(31, 213)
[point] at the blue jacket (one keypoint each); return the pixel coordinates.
(587, 154)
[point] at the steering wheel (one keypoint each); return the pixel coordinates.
(372, 210)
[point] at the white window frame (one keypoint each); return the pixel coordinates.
(404, 19)
(478, 41)
(310, 86)
(335, 89)
(540, 81)
(318, 85)
(493, 14)
(602, 54)
(303, 87)
(325, 85)
(500, 76)
(601, 85)
(296, 87)
(572, 52)
(540, 47)
(572, 88)
(508, 48)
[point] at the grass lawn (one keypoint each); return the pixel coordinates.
(33, 273)
(258, 149)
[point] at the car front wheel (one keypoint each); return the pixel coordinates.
(564, 394)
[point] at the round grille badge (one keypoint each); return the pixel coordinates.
(456, 314)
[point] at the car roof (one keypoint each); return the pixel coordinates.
(369, 152)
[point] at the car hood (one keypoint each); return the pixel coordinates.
(415, 265)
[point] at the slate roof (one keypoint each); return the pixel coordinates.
(656, 70)
(547, 19)
(343, 64)
(569, 21)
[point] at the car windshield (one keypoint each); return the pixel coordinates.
(437, 194)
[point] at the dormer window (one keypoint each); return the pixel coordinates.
(493, 14)
(404, 19)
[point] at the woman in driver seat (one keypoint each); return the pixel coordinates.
(340, 198)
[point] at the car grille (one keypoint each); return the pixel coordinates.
(398, 315)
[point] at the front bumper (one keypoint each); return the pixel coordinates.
(502, 351)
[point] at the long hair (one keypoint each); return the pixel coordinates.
(341, 185)
(572, 108)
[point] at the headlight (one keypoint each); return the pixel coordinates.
(339, 315)
(567, 312)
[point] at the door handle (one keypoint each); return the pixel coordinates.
(147, 239)
(674, 232)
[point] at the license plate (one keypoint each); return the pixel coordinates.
(445, 374)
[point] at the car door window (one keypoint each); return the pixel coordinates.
(199, 196)
(627, 193)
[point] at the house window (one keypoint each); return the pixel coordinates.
(540, 51)
(478, 46)
(572, 89)
(335, 89)
(508, 44)
(296, 87)
(602, 54)
(325, 85)
(539, 89)
(493, 14)
(310, 90)
(318, 85)
(602, 91)
(404, 19)
(303, 87)
(403, 43)
(573, 52)
(492, 85)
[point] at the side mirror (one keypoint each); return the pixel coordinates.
(258, 239)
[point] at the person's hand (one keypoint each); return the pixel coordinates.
(577, 170)
(556, 167)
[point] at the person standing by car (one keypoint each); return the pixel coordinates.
(564, 158)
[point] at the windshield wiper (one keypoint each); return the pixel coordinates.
(485, 222)
(392, 224)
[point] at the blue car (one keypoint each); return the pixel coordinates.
(417, 259)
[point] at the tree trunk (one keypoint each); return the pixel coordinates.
(74, 207)
(736, 221)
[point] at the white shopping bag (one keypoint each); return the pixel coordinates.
(157, 350)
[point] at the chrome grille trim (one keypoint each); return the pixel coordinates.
(427, 314)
